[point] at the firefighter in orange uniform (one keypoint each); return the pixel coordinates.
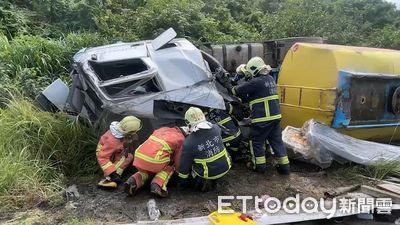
(156, 159)
(111, 151)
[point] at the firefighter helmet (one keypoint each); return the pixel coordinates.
(255, 65)
(241, 69)
(129, 124)
(194, 115)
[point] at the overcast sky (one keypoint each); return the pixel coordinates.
(397, 2)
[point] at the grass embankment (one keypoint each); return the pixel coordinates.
(378, 172)
(38, 150)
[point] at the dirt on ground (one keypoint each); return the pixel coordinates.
(102, 206)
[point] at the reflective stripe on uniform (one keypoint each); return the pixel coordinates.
(212, 158)
(264, 119)
(230, 138)
(120, 171)
(261, 160)
(162, 142)
(267, 116)
(169, 175)
(283, 160)
(265, 99)
(230, 109)
(119, 163)
(205, 169)
(98, 148)
(107, 165)
(149, 159)
(163, 175)
(253, 158)
(222, 122)
(213, 177)
(144, 176)
(184, 176)
(204, 162)
(228, 158)
(233, 91)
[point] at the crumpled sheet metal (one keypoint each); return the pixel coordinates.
(202, 94)
(320, 145)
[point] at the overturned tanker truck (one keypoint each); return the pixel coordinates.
(352, 89)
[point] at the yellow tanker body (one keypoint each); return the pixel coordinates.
(352, 89)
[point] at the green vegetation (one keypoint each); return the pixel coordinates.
(39, 37)
(37, 150)
(378, 171)
(30, 63)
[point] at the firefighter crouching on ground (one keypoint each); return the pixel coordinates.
(231, 134)
(204, 158)
(111, 152)
(261, 93)
(155, 159)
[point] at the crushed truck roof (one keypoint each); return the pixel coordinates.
(129, 77)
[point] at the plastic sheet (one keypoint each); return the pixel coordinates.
(320, 145)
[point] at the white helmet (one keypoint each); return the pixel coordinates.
(194, 116)
(255, 65)
(241, 69)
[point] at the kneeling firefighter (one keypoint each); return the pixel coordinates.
(204, 158)
(260, 92)
(112, 154)
(155, 159)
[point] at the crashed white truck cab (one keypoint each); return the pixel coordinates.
(143, 78)
(155, 79)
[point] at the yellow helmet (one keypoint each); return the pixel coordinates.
(241, 69)
(129, 124)
(255, 65)
(194, 115)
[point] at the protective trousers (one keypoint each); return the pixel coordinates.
(233, 147)
(259, 134)
(118, 162)
(161, 178)
(121, 162)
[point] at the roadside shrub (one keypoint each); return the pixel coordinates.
(37, 150)
(33, 62)
(12, 20)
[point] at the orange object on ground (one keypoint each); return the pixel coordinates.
(156, 158)
(111, 154)
(230, 218)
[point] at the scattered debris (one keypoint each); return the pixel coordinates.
(210, 206)
(154, 212)
(263, 199)
(299, 148)
(320, 145)
(71, 205)
(339, 191)
(72, 192)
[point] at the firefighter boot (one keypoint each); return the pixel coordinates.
(283, 169)
(107, 183)
(130, 186)
(260, 168)
(157, 190)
